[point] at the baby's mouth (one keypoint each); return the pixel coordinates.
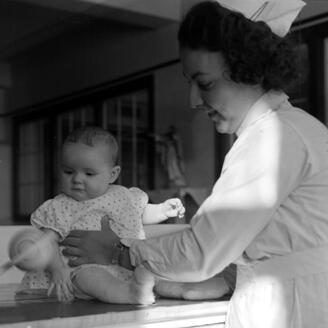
(77, 189)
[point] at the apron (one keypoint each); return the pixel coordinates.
(282, 292)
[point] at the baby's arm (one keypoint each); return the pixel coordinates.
(35, 249)
(156, 213)
(58, 269)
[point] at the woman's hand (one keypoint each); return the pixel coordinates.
(84, 247)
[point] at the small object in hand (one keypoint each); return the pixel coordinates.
(30, 249)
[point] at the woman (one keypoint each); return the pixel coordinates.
(268, 210)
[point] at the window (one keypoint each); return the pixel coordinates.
(299, 92)
(126, 111)
(31, 159)
(309, 93)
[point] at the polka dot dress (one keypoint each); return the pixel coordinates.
(124, 208)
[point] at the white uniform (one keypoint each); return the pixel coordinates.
(268, 213)
(124, 207)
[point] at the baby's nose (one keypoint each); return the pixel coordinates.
(77, 177)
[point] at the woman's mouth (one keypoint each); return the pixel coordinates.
(212, 114)
(215, 116)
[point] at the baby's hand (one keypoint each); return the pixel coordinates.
(61, 284)
(173, 207)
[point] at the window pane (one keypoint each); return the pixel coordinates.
(31, 196)
(31, 166)
(299, 92)
(127, 117)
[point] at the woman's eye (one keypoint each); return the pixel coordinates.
(90, 174)
(205, 85)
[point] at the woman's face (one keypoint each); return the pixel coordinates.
(211, 90)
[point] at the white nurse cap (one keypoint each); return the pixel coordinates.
(278, 14)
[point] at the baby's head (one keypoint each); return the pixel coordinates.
(88, 166)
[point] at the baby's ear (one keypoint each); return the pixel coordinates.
(116, 170)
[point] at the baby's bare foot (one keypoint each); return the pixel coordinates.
(142, 286)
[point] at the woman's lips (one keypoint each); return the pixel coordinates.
(215, 116)
(212, 115)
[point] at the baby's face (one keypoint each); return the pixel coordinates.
(86, 171)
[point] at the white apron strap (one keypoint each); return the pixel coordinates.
(295, 264)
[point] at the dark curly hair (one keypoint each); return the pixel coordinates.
(253, 53)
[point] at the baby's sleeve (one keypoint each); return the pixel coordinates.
(50, 215)
(139, 199)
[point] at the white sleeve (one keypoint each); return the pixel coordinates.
(260, 172)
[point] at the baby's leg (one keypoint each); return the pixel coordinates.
(98, 283)
(209, 289)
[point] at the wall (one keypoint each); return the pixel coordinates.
(86, 57)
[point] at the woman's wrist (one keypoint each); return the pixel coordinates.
(121, 256)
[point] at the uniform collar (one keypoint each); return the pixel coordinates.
(268, 102)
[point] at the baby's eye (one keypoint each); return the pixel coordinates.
(67, 171)
(90, 174)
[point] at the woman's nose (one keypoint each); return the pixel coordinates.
(195, 96)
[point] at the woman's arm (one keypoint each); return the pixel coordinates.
(258, 176)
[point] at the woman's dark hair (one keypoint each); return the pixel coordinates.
(253, 53)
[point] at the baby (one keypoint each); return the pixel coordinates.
(88, 195)
(88, 172)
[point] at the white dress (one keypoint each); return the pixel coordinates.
(124, 207)
(268, 213)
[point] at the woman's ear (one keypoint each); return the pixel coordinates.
(116, 170)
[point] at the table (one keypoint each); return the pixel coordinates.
(48, 313)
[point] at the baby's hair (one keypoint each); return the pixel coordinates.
(92, 136)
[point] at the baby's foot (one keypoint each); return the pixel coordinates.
(142, 286)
